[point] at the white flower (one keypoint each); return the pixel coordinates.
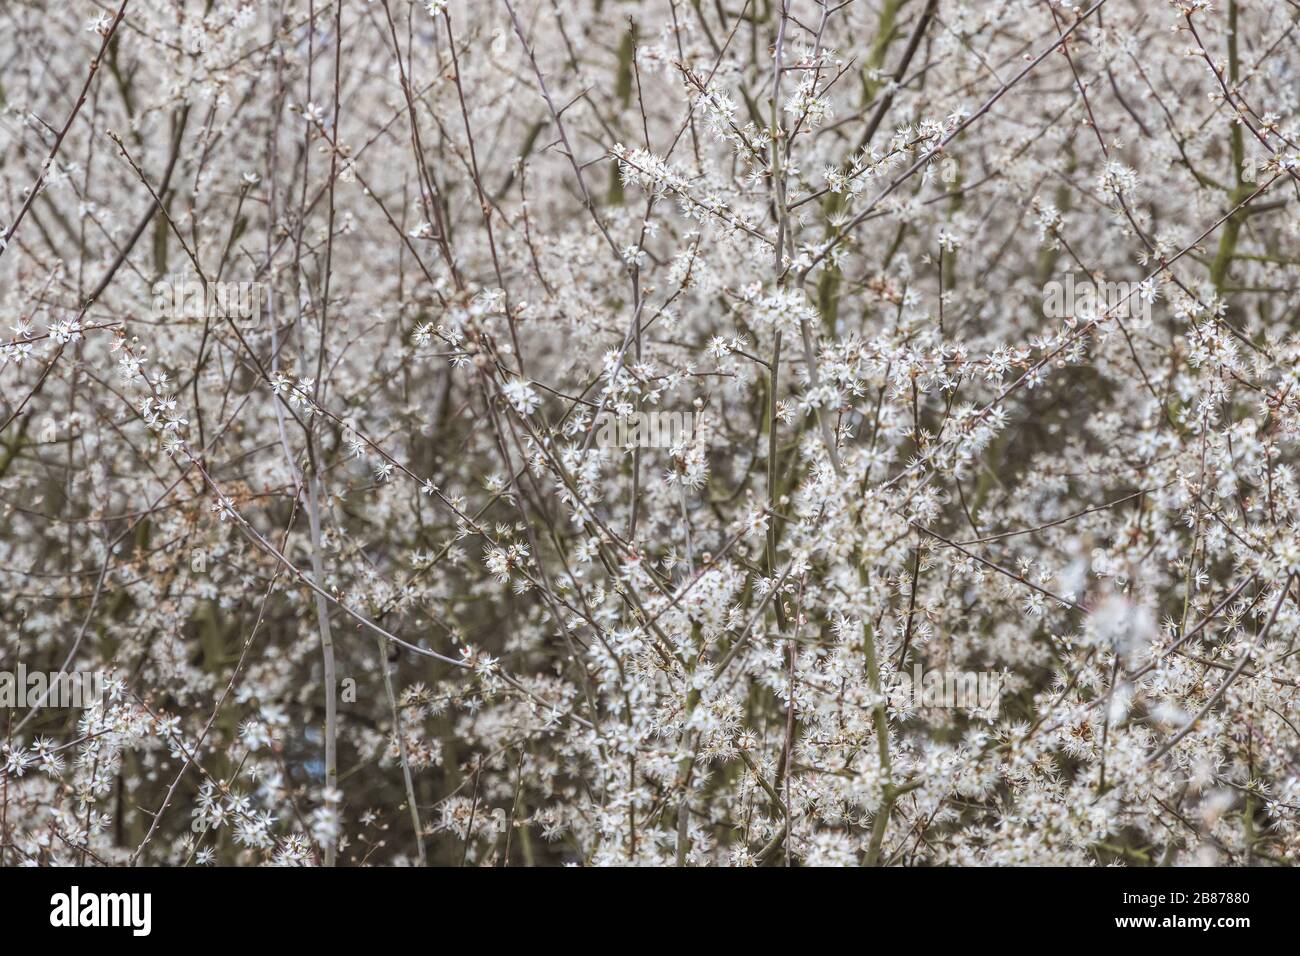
(521, 396)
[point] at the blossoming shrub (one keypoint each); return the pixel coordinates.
(329, 435)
